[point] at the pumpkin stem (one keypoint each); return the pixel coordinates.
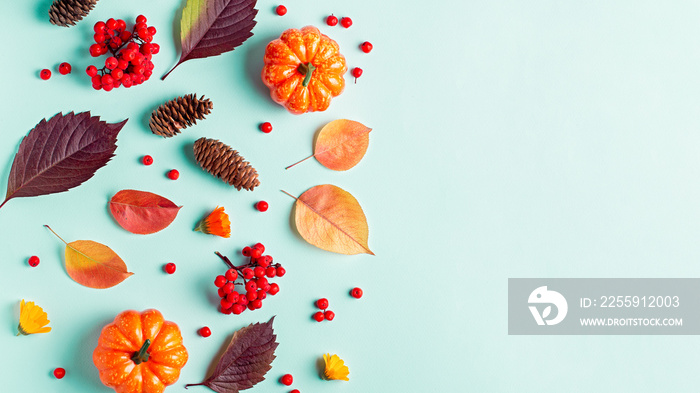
(142, 356)
(307, 70)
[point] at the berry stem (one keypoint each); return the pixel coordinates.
(299, 162)
(54, 233)
(142, 355)
(307, 70)
(226, 260)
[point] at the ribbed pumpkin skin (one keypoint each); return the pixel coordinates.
(281, 72)
(121, 339)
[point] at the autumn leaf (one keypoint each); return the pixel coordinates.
(93, 264)
(340, 145)
(60, 154)
(212, 27)
(246, 361)
(142, 212)
(330, 218)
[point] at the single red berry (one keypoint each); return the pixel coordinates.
(100, 27)
(45, 74)
(281, 10)
(366, 46)
(250, 286)
(107, 79)
(117, 74)
(99, 38)
(356, 293)
(261, 282)
(111, 62)
(242, 300)
(220, 281)
(319, 316)
(225, 304)
(231, 274)
(170, 268)
(274, 288)
(257, 304)
(262, 293)
(259, 246)
(64, 68)
(205, 331)
(107, 87)
(270, 272)
(281, 271)
(357, 72)
(329, 315)
(151, 30)
(262, 261)
(221, 293)
(91, 70)
(246, 251)
(332, 20)
(266, 127)
(121, 24)
(255, 252)
(147, 160)
(262, 206)
(111, 23)
(228, 288)
(248, 273)
(238, 308)
(322, 303)
(141, 19)
(294, 391)
(287, 379)
(95, 50)
(346, 22)
(59, 372)
(268, 259)
(33, 261)
(173, 174)
(251, 306)
(233, 297)
(251, 295)
(97, 86)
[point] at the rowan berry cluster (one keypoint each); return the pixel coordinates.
(251, 278)
(129, 63)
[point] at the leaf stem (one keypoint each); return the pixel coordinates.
(289, 194)
(194, 384)
(299, 162)
(171, 70)
(56, 234)
(3, 203)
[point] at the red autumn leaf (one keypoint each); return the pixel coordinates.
(60, 154)
(212, 27)
(246, 361)
(142, 212)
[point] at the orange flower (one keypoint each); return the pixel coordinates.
(335, 368)
(216, 223)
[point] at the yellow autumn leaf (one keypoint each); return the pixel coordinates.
(330, 218)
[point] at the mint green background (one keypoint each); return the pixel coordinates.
(511, 139)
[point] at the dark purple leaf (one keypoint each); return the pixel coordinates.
(212, 27)
(246, 360)
(60, 154)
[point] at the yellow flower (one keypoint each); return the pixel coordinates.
(216, 223)
(32, 319)
(335, 368)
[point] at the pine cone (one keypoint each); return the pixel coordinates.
(225, 163)
(181, 112)
(69, 12)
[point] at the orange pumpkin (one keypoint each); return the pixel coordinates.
(140, 353)
(304, 70)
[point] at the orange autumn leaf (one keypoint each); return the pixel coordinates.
(330, 218)
(340, 145)
(93, 264)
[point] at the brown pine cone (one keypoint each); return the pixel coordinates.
(225, 163)
(181, 112)
(69, 12)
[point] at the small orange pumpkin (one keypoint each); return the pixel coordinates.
(304, 70)
(140, 353)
